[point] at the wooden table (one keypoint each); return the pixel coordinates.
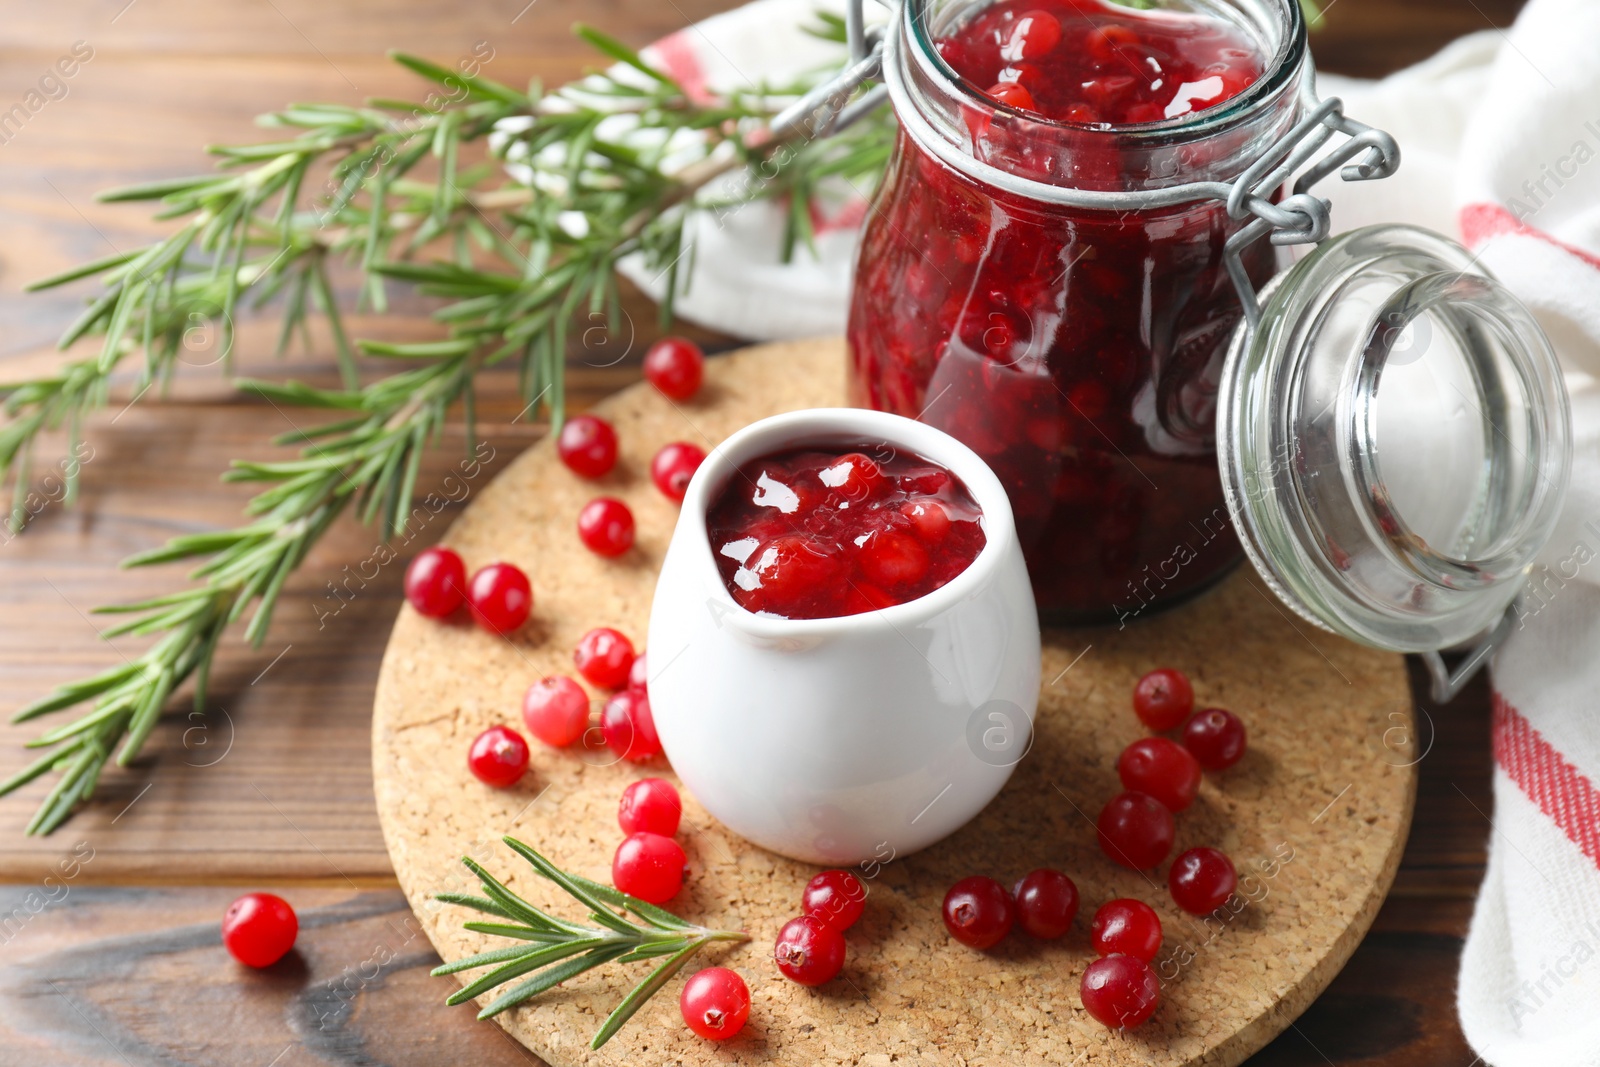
(121, 962)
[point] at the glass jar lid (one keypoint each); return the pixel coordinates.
(1393, 439)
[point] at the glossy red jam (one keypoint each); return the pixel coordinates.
(808, 534)
(1077, 351)
(1089, 62)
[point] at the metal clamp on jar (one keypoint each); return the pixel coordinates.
(1383, 424)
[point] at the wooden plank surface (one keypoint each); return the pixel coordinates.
(272, 787)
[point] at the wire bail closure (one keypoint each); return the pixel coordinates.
(1300, 218)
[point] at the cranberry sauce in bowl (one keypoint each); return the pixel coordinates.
(1077, 350)
(818, 533)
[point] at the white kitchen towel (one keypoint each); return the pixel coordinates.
(1500, 134)
(738, 281)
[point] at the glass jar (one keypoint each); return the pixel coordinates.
(1055, 296)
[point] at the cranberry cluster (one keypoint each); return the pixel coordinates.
(979, 912)
(1161, 777)
(649, 864)
(813, 534)
(587, 444)
(555, 709)
(1135, 829)
(499, 596)
(810, 948)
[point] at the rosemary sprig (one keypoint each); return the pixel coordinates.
(369, 459)
(554, 950)
(611, 167)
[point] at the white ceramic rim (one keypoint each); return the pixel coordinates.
(827, 426)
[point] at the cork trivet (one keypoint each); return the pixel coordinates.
(1314, 816)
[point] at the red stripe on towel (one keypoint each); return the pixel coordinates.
(1560, 789)
(677, 56)
(1480, 222)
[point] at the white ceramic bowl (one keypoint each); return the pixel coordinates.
(841, 740)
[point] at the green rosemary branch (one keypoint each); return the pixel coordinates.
(369, 459)
(554, 950)
(523, 259)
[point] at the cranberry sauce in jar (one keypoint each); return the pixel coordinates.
(1077, 350)
(813, 534)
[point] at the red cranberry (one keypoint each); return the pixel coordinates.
(1216, 737)
(650, 804)
(556, 710)
(605, 526)
(649, 866)
(1047, 902)
(928, 520)
(837, 898)
(587, 445)
(675, 366)
(1162, 768)
(639, 674)
(893, 559)
(498, 757)
(1163, 698)
(785, 569)
(628, 726)
(1036, 33)
(436, 582)
(809, 951)
(1201, 879)
(1130, 927)
(604, 657)
(673, 466)
(853, 476)
(978, 912)
(1120, 991)
(1135, 830)
(501, 597)
(1012, 94)
(715, 1003)
(259, 929)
